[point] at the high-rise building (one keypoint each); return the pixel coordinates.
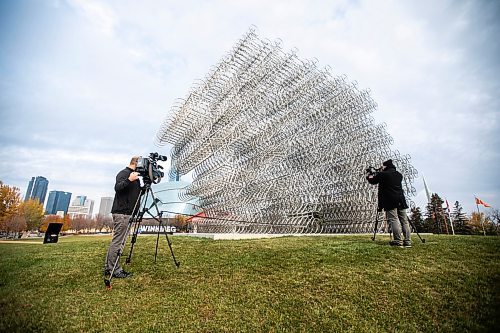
(37, 189)
(58, 201)
(79, 200)
(81, 207)
(105, 206)
(30, 189)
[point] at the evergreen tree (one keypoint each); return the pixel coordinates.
(460, 220)
(435, 220)
(416, 219)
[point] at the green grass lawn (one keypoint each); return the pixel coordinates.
(290, 284)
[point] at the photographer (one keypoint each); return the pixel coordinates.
(392, 200)
(127, 191)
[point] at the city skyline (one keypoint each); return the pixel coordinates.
(58, 199)
(63, 199)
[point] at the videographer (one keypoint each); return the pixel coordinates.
(127, 191)
(392, 200)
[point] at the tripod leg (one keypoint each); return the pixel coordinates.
(134, 239)
(160, 226)
(177, 263)
(134, 236)
(141, 200)
(157, 239)
(416, 231)
(376, 225)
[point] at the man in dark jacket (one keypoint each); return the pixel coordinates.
(127, 191)
(392, 200)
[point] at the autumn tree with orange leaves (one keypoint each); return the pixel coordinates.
(49, 219)
(10, 198)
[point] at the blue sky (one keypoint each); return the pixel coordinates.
(84, 85)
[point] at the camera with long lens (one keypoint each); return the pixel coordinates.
(149, 169)
(371, 171)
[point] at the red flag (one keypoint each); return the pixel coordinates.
(481, 202)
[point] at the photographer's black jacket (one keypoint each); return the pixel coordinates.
(390, 191)
(126, 193)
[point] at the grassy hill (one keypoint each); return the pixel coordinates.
(290, 284)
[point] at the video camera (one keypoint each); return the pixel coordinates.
(371, 171)
(149, 169)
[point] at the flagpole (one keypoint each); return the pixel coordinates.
(449, 216)
(479, 216)
(445, 223)
(426, 190)
(451, 223)
(434, 213)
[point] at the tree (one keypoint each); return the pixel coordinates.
(109, 223)
(416, 218)
(476, 223)
(494, 216)
(460, 220)
(66, 223)
(102, 221)
(90, 224)
(49, 219)
(81, 223)
(32, 212)
(15, 224)
(180, 222)
(482, 224)
(10, 199)
(435, 220)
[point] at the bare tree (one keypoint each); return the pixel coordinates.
(102, 221)
(15, 225)
(494, 216)
(79, 223)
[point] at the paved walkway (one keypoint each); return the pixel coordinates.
(19, 242)
(256, 236)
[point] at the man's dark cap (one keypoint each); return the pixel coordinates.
(388, 164)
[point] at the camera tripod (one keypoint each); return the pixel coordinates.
(376, 226)
(134, 223)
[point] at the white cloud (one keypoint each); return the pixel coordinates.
(98, 14)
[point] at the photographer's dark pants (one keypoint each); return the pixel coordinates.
(120, 223)
(399, 224)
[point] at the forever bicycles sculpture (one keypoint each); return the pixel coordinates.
(278, 145)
